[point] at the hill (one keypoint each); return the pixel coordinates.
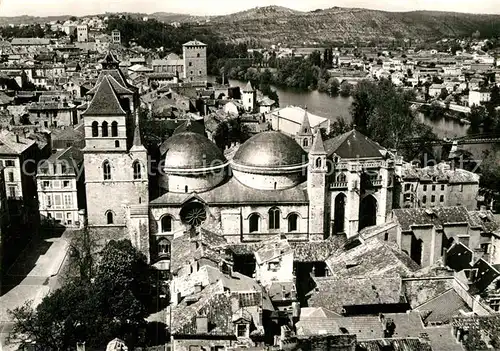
(4, 21)
(275, 24)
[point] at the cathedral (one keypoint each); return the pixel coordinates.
(304, 188)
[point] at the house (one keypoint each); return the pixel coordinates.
(436, 89)
(53, 113)
(265, 105)
(15, 151)
(30, 42)
(288, 120)
(70, 136)
(234, 108)
(213, 305)
(435, 186)
(161, 78)
(75, 88)
(479, 96)
(356, 296)
(274, 271)
(425, 234)
(61, 188)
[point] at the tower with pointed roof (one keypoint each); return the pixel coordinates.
(115, 160)
(249, 98)
(317, 190)
(305, 135)
(194, 54)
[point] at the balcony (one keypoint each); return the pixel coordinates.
(377, 182)
(338, 185)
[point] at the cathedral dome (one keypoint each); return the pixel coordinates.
(270, 150)
(190, 151)
(191, 163)
(270, 161)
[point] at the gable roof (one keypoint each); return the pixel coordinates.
(105, 102)
(12, 144)
(437, 216)
(353, 144)
(337, 293)
(443, 308)
(373, 258)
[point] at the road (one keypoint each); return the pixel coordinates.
(35, 273)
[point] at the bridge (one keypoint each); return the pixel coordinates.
(465, 140)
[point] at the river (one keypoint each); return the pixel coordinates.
(334, 107)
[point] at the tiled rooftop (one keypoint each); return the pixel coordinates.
(353, 144)
(334, 294)
(438, 216)
(372, 258)
(443, 308)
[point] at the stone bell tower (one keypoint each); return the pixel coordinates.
(316, 188)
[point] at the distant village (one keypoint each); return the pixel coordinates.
(285, 241)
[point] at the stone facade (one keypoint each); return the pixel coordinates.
(195, 61)
(438, 186)
(115, 161)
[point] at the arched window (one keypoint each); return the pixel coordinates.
(114, 129)
(166, 224)
(117, 143)
(341, 178)
(305, 143)
(318, 162)
(137, 170)
(254, 223)
(109, 217)
(95, 129)
(198, 55)
(104, 129)
(106, 170)
(292, 222)
(163, 247)
(274, 218)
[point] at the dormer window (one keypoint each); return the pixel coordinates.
(242, 330)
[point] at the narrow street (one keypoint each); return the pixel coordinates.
(35, 273)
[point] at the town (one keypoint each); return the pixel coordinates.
(147, 202)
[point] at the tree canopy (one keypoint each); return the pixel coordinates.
(113, 303)
(383, 112)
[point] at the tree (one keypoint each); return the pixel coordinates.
(231, 131)
(443, 94)
(383, 112)
(338, 127)
(333, 86)
(363, 104)
(113, 303)
(476, 116)
(345, 88)
(83, 249)
(495, 96)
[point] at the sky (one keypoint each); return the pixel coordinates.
(220, 7)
